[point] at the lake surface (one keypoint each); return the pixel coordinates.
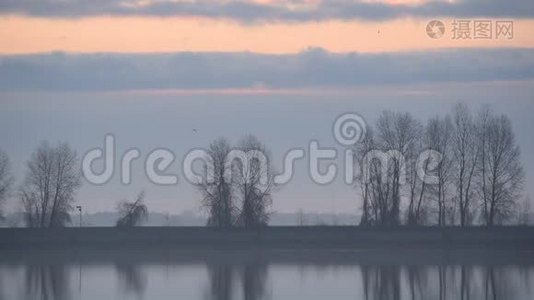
(265, 274)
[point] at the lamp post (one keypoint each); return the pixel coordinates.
(79, 207)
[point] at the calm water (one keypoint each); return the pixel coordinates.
(172, 274)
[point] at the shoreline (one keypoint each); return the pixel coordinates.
(283, 237)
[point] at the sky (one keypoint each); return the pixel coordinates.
(178, 74)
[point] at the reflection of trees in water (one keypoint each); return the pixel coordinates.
(246, 278)
(381, 282)
(47, 282)
(486, 283)
(221, 281)
(498, 284)
(418, 282)
(252, 277)
(440, 282)
(132, 278)
(2, 287)
(465, 283)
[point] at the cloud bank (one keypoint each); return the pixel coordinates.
(314, 68)
(284, 10)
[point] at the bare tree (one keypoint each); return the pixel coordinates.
(482, 125)
(438, 137)
(479, 163)
(465, 153)
(367, 184)
(253, 181)
(397, 139)
(418, 188)
(132, 213)
(501, 173)
(5, 179)
(217, 193)
(398, 132)
(52, 179)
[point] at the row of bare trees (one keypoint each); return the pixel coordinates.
(479, 177)
(48, 190)
(241, 199)
(53, 177)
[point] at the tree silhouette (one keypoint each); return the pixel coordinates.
(217, 195)
(5, 179)
(254, 194)
(479, 167)
(132, 213)
(52, 179)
